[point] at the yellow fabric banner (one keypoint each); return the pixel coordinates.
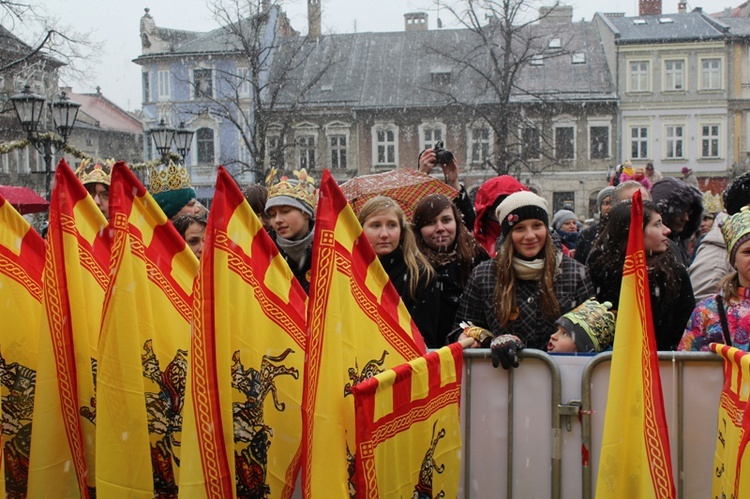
(635, 458)
(358, 327)
(76, 276)
(21, 263)
(408, 428)
(247, 359)
(143, 347)
(731, 477)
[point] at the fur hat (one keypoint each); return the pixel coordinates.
(736, 230)
(299, 193)
(94, 174)
(521, 206)
(604, 194)
(591, 325)
(737, 194)
(561, 217)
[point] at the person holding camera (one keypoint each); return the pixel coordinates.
(432, 157)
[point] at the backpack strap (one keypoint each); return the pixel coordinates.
(723, 320)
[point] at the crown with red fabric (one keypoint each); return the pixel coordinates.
(94, 174)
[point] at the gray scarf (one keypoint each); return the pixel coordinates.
(296, 250)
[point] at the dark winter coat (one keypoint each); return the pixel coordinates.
(586, 240)
(674, 196)
(669, 316)
(425, 302)
(572, 287)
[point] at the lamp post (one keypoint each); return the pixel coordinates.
(164, 136)
(29, 108)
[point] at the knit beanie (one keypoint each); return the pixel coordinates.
(591, 325)
(521, 206)
(736, 230)
(298, 193)
(171, 202)
(604, 194)
(737, 194)
(561, 217)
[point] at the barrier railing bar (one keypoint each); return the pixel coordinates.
(680, 428)
(467, 428)
(681, 358)
(556, 400)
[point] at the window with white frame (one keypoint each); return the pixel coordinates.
(306, 151)
(674, 74)
(599, 141)
(385, 145)
(337, 151)
(243, 81)
(204, 142)
(711, 74)
(163, 84)
(531, 143)
(480, 144)
(146, 86)
(639, 76)
(674, 141)
(203, 83)
(431, 133)
(6, 163)
(710, 141)
(565, 139)
(639, 142)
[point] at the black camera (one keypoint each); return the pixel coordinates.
(442, 156)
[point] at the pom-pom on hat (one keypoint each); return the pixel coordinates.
(94, 174)
(561, 217)
(736, 230)
(591, 325)
(299, 193)
(521, 206)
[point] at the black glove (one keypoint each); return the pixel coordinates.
(504, 349)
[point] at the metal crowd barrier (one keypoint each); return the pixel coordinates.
(521, 440)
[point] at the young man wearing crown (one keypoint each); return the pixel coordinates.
(95, 179)
(172, 191)
(291, 211)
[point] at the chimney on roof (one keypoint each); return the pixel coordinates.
(681, 7)
(559, 14)
(649, 7)
(313, 19)
(415, 21)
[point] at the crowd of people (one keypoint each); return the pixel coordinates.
(509, 274)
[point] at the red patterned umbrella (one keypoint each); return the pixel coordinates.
(23, 199)
(404, 185)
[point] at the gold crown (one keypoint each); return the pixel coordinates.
(712, 202)
(97, 173)
(303, 188)
(171, 178)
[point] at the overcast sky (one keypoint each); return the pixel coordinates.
(115, 23)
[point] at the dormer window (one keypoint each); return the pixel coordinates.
(665, 20)
(537, 60)
(440, 76)
(579, 58)
(639, 22)
(555, 43)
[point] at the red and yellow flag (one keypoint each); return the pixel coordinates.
(246, 364)
(21, 263)
(635, 457)
(76, 276)
(358, 327)
(143, 347)
(408, 428)
(731, 477)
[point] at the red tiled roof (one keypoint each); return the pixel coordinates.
(109, 115)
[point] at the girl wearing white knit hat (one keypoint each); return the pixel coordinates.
(512, 301)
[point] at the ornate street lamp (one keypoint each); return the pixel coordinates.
(163, 137)
(29, 108)
(183, 139)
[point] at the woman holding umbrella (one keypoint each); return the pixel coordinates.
(385, 226)
(446, 243)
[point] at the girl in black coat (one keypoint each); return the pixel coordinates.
(446, 243)
(672, 299)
